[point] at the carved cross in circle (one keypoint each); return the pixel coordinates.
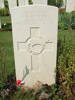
(34, 44)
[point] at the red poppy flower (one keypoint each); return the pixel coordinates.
(60, 10)
(18, 82)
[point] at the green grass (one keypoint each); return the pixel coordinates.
(7, 47)
(68, 33)
(6, 19)
(68, 36)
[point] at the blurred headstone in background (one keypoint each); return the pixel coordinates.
(40, 2)
(70, 6)
(21, 2)
(1, 6)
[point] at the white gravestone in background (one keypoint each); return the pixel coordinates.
(70, 6)
(35, 43)
(42, 2)
(64, 4)
(0, 22)
(12, 4)
(1, 3)
(22, 2)
(26, 2)
(1, 6)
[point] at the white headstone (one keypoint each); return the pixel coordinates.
(64, 4)
(35, 43)
(26, 2)
(43, 2)
(1, 6)
(1, 3)
(21, 2)
(70, 6)
(12, 4)
(0, 22)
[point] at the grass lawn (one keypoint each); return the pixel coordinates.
(6, 45)
(68, 36)
(6, 19)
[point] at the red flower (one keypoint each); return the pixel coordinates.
(60, 10)
(18, 82)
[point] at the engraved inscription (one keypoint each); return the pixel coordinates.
(35, 46)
